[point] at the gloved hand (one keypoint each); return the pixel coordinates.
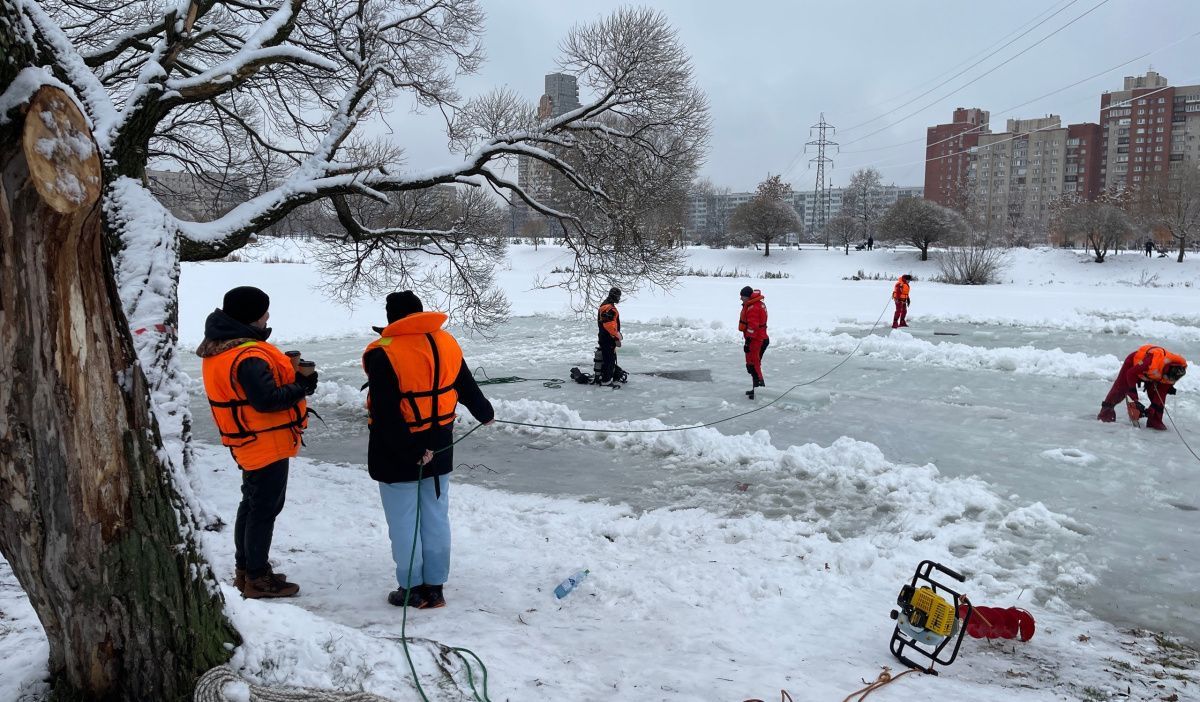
(1171, 390)
(1107, 413)
(746, 346)
(308, 382)
(618, 343)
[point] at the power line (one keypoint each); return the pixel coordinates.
(972, 56)
(796, 159)
(956, 75)
(984, 74)
(820, 189)
(1124, 103)
(1036, 99)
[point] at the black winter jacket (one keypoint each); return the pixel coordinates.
(392, 450)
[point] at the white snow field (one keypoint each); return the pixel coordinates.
(763, 553)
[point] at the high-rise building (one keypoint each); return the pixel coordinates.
(1017, 174)
(947, 161)
(535, 177)
(563, 91)
(1147, 128)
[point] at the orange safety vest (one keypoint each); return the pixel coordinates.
(256, 439)
(426, 361)
(900, 292)
(1160, 358)
(612, 325)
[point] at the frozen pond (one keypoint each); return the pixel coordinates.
(1033, 438)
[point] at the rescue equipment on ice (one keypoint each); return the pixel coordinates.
(1136, 412)
(932, 617)
(927, 621)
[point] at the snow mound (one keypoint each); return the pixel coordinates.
(1072, 456)
(847, 493)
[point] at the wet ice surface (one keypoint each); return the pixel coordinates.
(1033, 438)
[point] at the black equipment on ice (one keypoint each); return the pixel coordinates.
(928, 619)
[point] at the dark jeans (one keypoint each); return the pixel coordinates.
(263, 494)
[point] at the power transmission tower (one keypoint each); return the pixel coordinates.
(821, 188)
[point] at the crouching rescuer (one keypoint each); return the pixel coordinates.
(1157, 370)
(257, 401)
(416, 377)
(752, 323)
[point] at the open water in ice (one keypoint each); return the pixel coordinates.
(1134, 494)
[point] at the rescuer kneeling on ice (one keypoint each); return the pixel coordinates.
(1157, 370)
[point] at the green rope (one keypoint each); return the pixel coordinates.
(516, 379)
(412, 555)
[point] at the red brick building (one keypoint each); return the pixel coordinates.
(946, 158)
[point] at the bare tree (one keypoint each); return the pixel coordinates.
(269, 96)
(717, 213)
(844, 230)
(972, 261)
(921, 223)
(1171, 204)
(1100, 225)
(861, 199)
(769, 216)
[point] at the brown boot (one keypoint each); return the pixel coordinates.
(239, 577)
(269, 585)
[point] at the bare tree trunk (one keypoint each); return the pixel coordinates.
(89, 517)
(1182, 248)
(768, 251)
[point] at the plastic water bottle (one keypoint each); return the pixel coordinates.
(565, 587)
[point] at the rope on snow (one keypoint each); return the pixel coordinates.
(213, 686)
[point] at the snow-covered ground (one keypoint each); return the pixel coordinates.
(763, 553)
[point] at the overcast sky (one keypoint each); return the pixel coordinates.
(770, 68)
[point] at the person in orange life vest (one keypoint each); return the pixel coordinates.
(257, 402)
(1157, 370)
(608, 323)
(416, 376)
(900, 295)
(752, 323)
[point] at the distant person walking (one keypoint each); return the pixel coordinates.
(753, 325)
(1149, 247)
(901, 296)
(257, 401)
(416, 376)
(870, 242)
(1155, 369)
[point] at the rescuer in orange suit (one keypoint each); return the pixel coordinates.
(900, 295)
(1157, 370)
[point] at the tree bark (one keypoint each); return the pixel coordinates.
(89, 517)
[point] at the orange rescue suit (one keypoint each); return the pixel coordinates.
(426, 361)
(1160, 358)
(900, 292)
(256, 439)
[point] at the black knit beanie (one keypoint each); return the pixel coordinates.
(747, 291)
(402, 304)
(246, 304)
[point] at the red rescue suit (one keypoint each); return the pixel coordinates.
(900, 295)
(753, 325)
(1157, 370)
